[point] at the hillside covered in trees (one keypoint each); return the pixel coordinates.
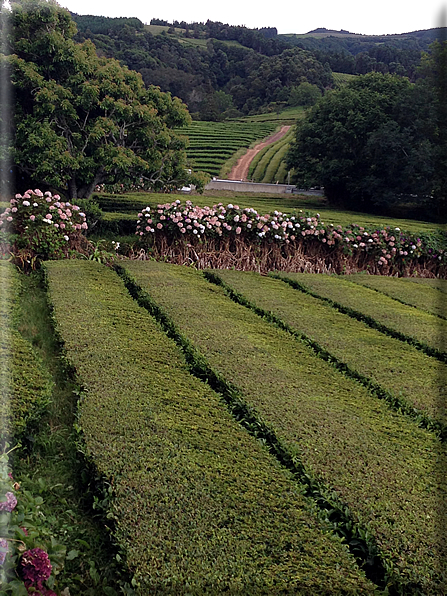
(222, 71)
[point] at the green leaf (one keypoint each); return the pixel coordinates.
(72, 555)
(17, 588)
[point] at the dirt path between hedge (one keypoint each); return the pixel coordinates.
(240, 170)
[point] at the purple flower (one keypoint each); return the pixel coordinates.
(9, 504)
(3, 551)
(36, 566)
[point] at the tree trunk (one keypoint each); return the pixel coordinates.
(72, 189)
(86, 191)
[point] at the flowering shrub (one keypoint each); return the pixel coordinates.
(40, 226)
(386, 247)
(30, 557)
(35, 567)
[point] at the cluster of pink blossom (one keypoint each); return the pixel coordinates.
(7, 507)
(36, 209)
(387, 245)
(10, 502)
(224, 221)
(36, 568)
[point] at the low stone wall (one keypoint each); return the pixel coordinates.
(240, 186)
(236, 186)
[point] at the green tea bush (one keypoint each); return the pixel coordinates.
(372, 461)
(199, 506)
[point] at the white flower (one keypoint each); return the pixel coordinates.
(26, 203)
(34, 204)
(66, 238)
(397, 229)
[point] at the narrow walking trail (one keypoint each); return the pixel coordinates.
(240, 170)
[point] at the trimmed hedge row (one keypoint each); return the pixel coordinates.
(422, 329)
(221, 139)
(270, 175)
(256, 159)
(409, 377)
(437, 283)
(26, 387)
(199, 506)
(380, 465)
(400, 288)
(266, 163)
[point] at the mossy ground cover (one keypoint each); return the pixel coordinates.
(427, 331)
(421, 296)
(384, 468)
(408, 375)
(25, 385)
(199, 506)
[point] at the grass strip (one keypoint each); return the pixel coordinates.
(404, 291)
(423, 330)
(199, 507)
(25, 386)
(406, 379)
(377, 464)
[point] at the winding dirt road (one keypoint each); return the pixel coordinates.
(240, 170)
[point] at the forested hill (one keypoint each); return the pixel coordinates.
(221, 71)
(358, 54)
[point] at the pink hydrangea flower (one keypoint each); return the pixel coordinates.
(4, 550)
(35, 566)
(10, 502)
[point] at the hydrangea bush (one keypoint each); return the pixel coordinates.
(30, 557)
(385, 247)
(40, 226)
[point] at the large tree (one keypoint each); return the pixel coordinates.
(81, 120)
(369, 144)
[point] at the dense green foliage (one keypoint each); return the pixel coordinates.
(81, 120)
(199, 506)
(358, 54)
(217, 79)
(370, 143)
(373, 459)
(196, 61)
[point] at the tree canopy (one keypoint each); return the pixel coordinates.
(82, 120)
(369, 144)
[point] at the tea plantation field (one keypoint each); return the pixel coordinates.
(280, 434)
